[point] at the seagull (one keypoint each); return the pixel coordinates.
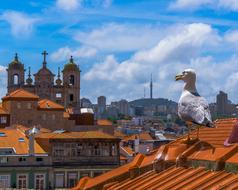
(192, 108)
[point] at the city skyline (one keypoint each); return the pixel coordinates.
(118, 50)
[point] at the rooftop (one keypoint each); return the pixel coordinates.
(21, 94)
(207, 162)
(16, 139)
(46, 104)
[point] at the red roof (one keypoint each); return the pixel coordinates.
(21, 94)
(49, 105)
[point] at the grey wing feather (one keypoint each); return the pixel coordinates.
(196, 109)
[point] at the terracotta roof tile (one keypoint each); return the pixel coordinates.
(128, 150)
(21, 94)
(11, 140)
(76, 135)
(104, 122)
(3, 111)
(142, 136)
(49, 105)
(181, 178)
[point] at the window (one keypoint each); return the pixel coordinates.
(58, 95)
(59, 180)
(3, 119)
(71, 97)
(28, 105)
(3, 160)
(39, 159)
(71, 80)
(22, 159)
(39, 181)
(72, 179)
(44, 117)
(22, 181)
(4, 181)
(18, 105)
(15, 79)
(53, 117)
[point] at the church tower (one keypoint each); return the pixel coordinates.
(16, 75)
(71, 83)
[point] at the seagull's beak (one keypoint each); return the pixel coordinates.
(179, 77)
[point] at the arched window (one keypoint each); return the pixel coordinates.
(71, 80)
(15, 79)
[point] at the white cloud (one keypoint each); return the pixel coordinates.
(232, 36)
(68, 5)
(21, 24)
(229, 4)
(3, 80)
(179, 49)
(189, 4)
(121, 37)
(64, 53)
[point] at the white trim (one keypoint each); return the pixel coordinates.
(9, 182)
(27, 178)
(44, 174)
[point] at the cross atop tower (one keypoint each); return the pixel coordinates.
(44, 53)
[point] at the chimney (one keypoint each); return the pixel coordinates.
(136, 144)
(32, 133)
(31, 150)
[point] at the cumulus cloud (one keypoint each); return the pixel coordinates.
(121, 37)
(21, 24)
(64, 53)
(179, 49)
(3, 80)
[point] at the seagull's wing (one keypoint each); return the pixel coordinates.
(194, 108)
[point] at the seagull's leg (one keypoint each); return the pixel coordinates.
(198, 127)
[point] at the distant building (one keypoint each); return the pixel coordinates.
(222, 102)
(101, 104)
(85, 103)
(123, 106)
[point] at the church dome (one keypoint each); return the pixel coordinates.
(16, 64)
(71, 66)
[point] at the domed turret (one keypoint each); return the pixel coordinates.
(15, 74)
(71, 66)
(16, 64)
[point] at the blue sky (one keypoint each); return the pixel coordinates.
(118, 43)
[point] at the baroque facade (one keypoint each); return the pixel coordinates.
(65, 91)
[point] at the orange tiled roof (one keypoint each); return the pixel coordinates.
(139, 161)
(2, 110)
(119, 134)
(181, 178)
(104, 122)
(49, 105)
(142, 136)
(76, 135)
(210, 148)
(128, 150)
(11, 140)
(21, 94)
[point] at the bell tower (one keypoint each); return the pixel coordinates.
(71, 83)
(16, 75)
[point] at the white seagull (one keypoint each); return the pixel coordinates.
(192, 108)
